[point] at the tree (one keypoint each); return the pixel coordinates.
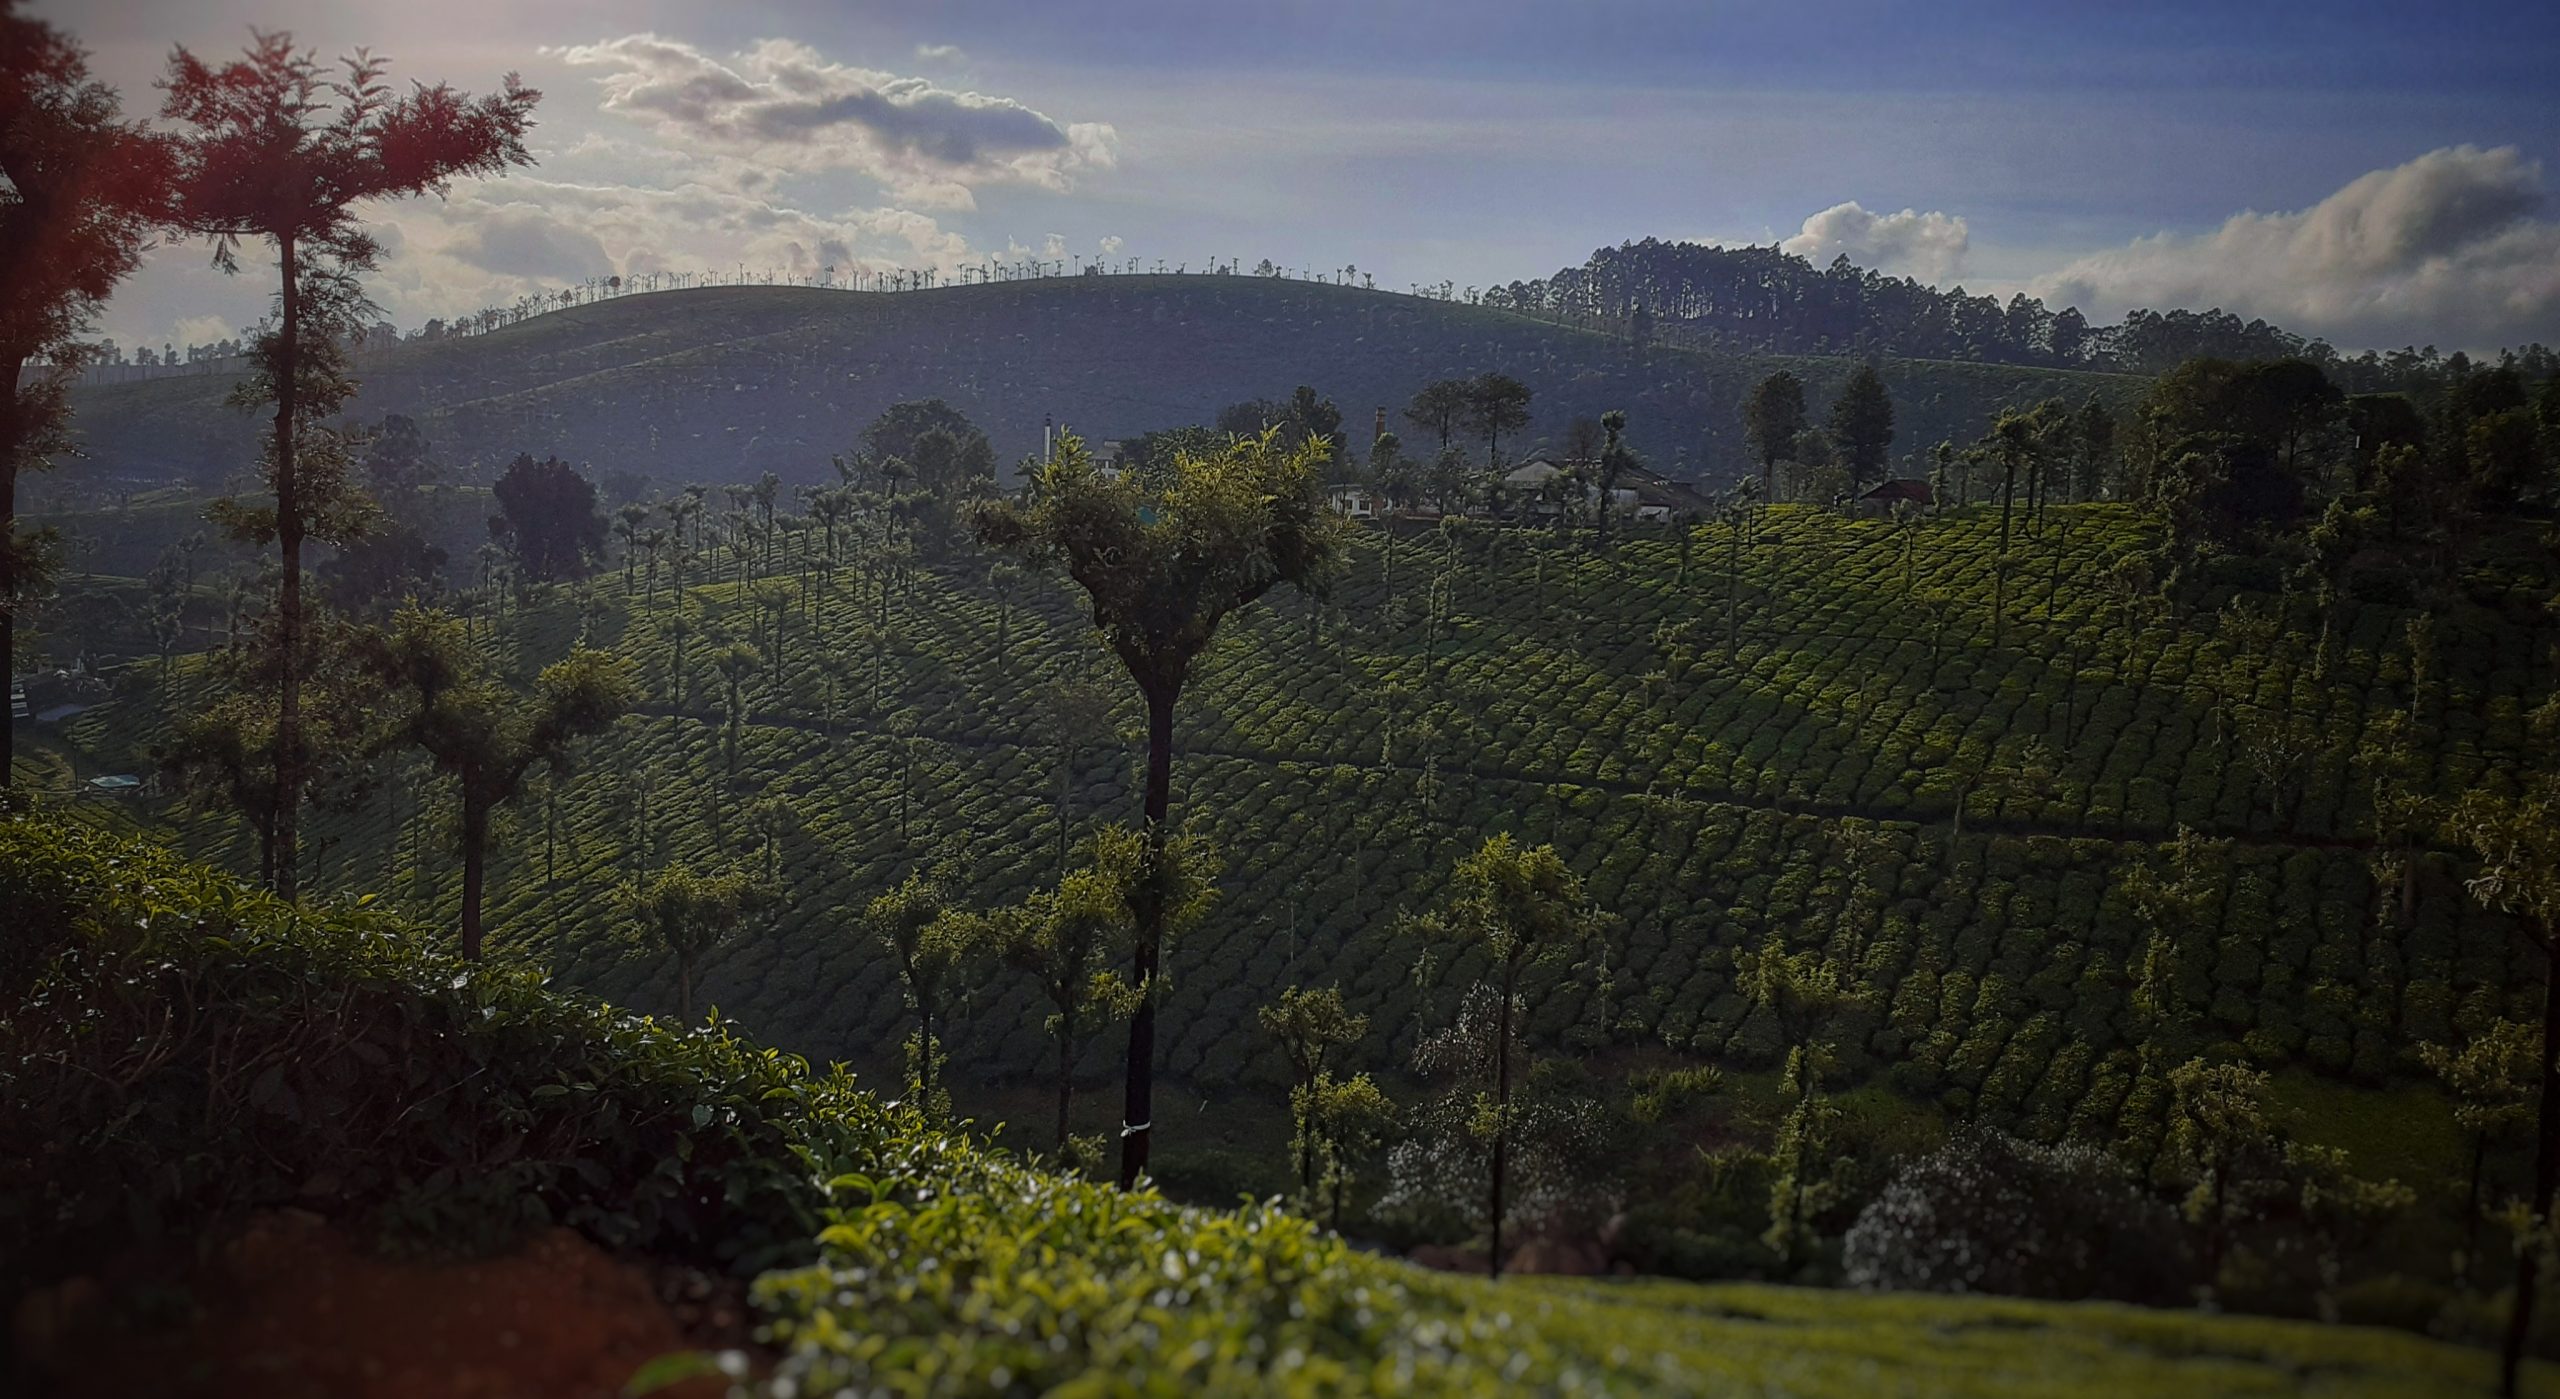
(1065, 938)
(375, 574)
(899, 434)
(547, 518)
(1164, 561)
(272, 150)
(688, 912)
(222, 745)
(1305, 414)
(1438, 408)
(1525, 912)
(487, 737)
(1862, 426)
(2226, 1149)
(1799, 992)
(934, 945)
(1615, 459)
(629, 523)
(2093, 434)
(79, 194)
(1990, 1213)
(1496, 404)
(735, 662)
(1076, 712)
(397, 462)
(1350, 1118)
(1004, 580)
(1772, 419)
(2492, 1080)
(2515, 836)
(1310, 1025)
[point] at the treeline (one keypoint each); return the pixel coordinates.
(1767, 299)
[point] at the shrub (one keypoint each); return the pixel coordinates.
(194, 1048)
(1990, 1213)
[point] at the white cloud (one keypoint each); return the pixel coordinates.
(1930, 246)
(785, 104)
(524, 241)
(2450, 247)
(493, 242)
(942, 53)
(201, 330)
(1111, 243)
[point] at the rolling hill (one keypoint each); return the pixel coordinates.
(315, 1065)
(1795, 778)
(724, 383)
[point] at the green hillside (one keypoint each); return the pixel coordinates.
(1803, 789)
(316, 1065)
(724, 383)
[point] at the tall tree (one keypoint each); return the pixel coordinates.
(1065, 939)
(1439, 407)
(1772, 419)
(1496, 404)
(1862, 426)
(2093, 434)
(2516, 837)
(274, 150)
(547, 518)
(1075, 712)
(79, 193)
(485, 735)
(1615, 459)
(398, 461)
(934, 946)
(1164, 560)
(1310, 1026)
(1525, 911)
(688, 912)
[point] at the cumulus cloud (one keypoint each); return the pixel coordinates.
(2451, 247)
(1930, 247)
(785, 104)
(941, 53)
(491, 243)
(1111, 243)
(522, 241)
(200, 330)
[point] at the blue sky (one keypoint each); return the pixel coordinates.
(2372, 173)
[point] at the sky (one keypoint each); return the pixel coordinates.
(2378, 175)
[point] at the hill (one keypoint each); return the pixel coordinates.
(315, 1065)
(724, 383)
(1735, 745)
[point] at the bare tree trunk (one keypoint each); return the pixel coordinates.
(288, 749)
(1137, 1114)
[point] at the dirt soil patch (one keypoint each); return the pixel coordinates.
(292, 1307)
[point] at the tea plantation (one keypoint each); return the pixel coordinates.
(325, 1042)
(1733, 740)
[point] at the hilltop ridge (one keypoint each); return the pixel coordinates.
(724, 383)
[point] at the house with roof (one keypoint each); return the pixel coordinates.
(1640, 491)
(1901, 495)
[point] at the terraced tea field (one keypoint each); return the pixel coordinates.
(1724, 764)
